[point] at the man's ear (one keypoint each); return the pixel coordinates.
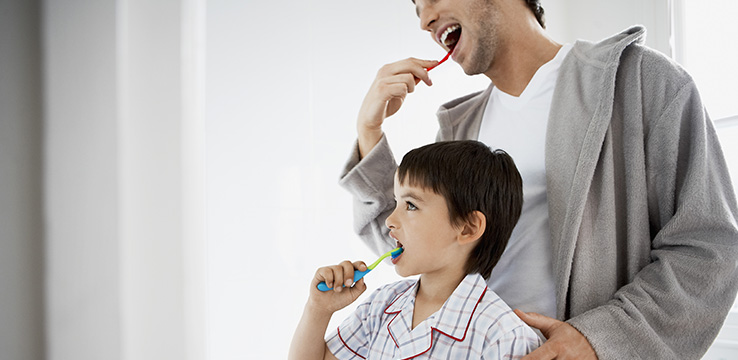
(473, 228)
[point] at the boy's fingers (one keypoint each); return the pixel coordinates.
(324, 274)
(338, 277)
(358, 288)
(348, 273)
(360, 265)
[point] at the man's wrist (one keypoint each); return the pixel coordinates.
(368, 139)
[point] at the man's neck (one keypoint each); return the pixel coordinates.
(515, 65)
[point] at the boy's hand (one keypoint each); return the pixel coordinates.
(336, 276)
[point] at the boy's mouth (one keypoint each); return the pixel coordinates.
(397, 258)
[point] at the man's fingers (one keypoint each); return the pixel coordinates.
(397, 85)
(542, 353)
(396, 90)
(405, 66)
(420, 72)
(413, 66)
(528, 318)
(538, 321)
(564, 341)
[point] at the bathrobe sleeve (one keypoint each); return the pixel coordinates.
(370, 180)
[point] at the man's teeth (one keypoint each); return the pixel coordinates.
(448, 30)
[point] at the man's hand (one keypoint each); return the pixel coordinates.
(564, 341)
(393, 82)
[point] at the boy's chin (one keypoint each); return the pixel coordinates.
(404, 272)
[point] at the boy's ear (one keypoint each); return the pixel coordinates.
(473, 228)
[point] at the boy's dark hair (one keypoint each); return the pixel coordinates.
(471, 177)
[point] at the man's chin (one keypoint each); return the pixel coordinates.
(475, 68)
(473, 71)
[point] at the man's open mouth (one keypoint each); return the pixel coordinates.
(450, 37)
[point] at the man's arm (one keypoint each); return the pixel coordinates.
(369, 173)
(675, 305)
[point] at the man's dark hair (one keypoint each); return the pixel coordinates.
(537, 9)
(471, 177)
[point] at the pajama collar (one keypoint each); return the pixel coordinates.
(452, 320)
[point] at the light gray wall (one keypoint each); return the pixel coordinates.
(121, 180)
(80, 172)
(21, 225)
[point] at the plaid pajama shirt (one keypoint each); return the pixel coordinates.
(474, 323)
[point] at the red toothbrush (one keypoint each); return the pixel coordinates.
(440, 62)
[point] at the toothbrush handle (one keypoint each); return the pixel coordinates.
(357, 275)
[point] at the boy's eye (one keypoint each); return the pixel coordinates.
(410, 206)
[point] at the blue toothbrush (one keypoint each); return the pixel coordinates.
(360, 274)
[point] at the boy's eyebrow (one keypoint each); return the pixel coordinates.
(412, 195)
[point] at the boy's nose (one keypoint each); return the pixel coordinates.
(390, 221)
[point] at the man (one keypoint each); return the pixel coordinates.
(629, 231)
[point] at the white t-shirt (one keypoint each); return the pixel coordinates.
(524, 276)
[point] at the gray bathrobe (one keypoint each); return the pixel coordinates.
(643, 216)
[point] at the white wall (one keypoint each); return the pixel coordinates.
(21, 225)
(284, 84)
(569, 20)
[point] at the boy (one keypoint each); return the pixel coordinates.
(457, 204)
